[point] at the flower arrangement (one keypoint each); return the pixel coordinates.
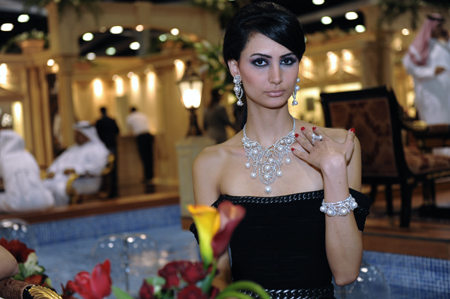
(184, 279)
(176, 280)
(29, 269)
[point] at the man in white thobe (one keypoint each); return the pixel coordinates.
(428, 61)
(23, 187)
(86, 158)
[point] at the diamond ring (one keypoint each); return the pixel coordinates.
(315, 137)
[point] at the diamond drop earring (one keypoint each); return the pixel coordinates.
(238, 90)
(294, 95)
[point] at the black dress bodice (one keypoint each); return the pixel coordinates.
(280, 243)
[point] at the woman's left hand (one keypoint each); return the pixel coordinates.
(323, 152)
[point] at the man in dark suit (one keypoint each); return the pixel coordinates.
(108, 130)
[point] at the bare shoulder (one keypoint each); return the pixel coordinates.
(210, 157)
(208, 167)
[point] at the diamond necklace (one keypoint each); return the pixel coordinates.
(268, 161)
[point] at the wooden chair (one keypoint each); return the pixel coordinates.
(376, 116)
(104, 191)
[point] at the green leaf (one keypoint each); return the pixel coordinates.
(23, 270)
(246, 285)
(232, 294)
(120, 294)
(156, 281)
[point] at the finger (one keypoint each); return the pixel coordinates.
(300, 154)
(351, 135)
(318, 131)
(307, 134)
(305, 143)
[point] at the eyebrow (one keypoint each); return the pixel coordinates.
(268, 56)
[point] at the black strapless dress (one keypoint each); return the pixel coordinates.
(280, 244)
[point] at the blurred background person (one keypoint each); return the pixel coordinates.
(428, 61)
(216, 119)
(87, 157)
(107, 131)
(137, 123)
(23, 188)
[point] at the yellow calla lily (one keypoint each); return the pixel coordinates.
(207, 221)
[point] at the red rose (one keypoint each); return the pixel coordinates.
(146, 291)
(18, 249)
(170, 273)
(95, 286)
(67, 292)
(191, 292)
(193, 273)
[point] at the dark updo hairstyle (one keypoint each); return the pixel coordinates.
(269, 19)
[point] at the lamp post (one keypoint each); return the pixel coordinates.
(191, 86)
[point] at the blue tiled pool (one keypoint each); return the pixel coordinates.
(65, 249)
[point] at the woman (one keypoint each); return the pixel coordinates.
(216, 119)
(285, 242)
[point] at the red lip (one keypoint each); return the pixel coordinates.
(275, 93)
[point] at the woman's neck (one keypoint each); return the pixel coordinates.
(266, 126)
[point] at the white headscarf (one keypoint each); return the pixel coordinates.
(87, 130)
(10, 142)
(420, 47)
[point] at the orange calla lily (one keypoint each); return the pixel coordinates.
(207, 221)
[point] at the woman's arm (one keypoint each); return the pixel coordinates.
(8, 264)
(206, 192)
(342, 237)
(340, 165)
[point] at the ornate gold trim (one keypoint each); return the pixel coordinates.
(39, 292)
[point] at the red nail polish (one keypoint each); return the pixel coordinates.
(296, 135)
(292, 149)
(303, 128)
(314, 128)
(352, 130)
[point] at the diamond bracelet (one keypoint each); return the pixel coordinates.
(340, 208)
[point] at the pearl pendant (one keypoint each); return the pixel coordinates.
(288, 161)
(268, 189)
(247, 165)
(279, 173)
(253, 175)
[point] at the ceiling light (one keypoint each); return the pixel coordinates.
(139, 28)
(405, 31)
(318, 2)
(23, 18)
(163, 37)
(91, 56)
(7, 27)
(116, 30)
(174, 31)
(326, 20)
(102, 29)
(135, 46)
(50, 62)
(351, 15)
(115, 77)
(360, 28)
(130, 74)
(110, 51)
(88, 36)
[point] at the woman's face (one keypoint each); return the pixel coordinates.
(268, 71)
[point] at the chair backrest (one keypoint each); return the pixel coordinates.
(374, 115)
